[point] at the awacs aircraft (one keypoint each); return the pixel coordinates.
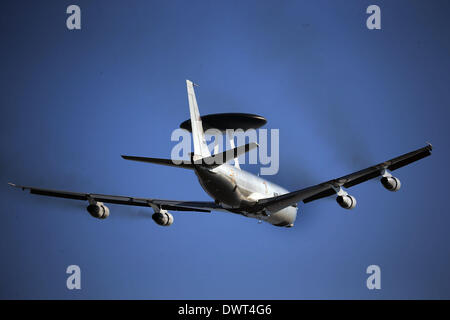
(233, 189)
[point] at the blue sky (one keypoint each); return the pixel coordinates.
(343, 97)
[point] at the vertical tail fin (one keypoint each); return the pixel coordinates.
(198, 136)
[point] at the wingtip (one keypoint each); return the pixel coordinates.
(17, 186)
(430, 146)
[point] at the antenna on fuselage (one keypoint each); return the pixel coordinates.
(224, 122)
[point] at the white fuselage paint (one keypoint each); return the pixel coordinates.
(235, 188)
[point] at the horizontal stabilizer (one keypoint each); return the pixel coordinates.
(225, 156)
(186, 164)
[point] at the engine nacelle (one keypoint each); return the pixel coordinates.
(346, 201)
(391, 183)
(98, 210)
(163, 218)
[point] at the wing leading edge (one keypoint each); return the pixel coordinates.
(327, 188)
(174, 205)
(306, 195)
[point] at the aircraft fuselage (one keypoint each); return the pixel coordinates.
(235, 188)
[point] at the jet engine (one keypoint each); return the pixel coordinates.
(346, 201)
(98, 210)
(163, 218)
(391, 183)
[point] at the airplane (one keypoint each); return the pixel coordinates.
(233, 189)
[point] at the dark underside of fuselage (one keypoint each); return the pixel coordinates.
(224, 190)
(221, 188)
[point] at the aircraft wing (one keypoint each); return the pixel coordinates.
(326, 189)
(174, 205)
